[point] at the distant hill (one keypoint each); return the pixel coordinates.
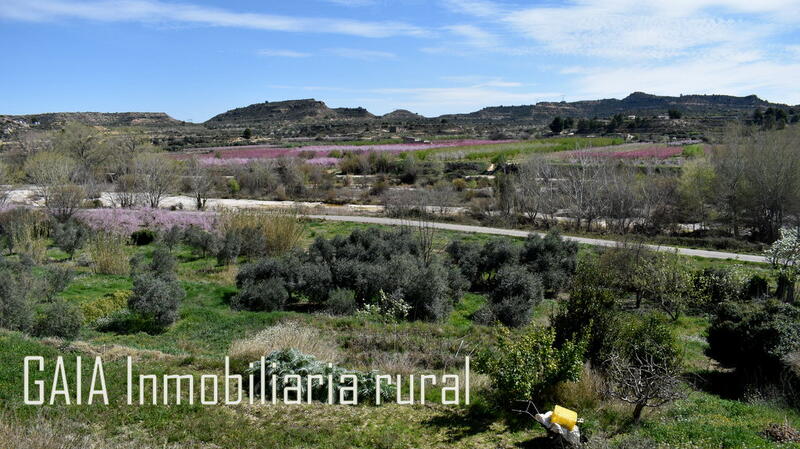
(307, 110)
(402, 114)
(285, 111)
(53, 120)
(635, 103)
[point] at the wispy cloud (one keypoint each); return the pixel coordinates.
(477, 8)
(282, 53)
(154, 11)
(474, 36)
(364, 55)
(631, 29)
(729, 73)
(352, 3)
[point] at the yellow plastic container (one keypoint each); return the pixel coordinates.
(564, 417)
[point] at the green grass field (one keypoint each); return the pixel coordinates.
(201, 338)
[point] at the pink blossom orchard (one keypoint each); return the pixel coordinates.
(126, 221)
(320, 154)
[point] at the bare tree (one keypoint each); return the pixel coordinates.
(201, 182)
(657, 195)
(441, 198)
(772, 168)
(32, 142)
(125, 148)
(85, 145)
(65, 200)
(49, 170)
(534, 193)
(644, 381)
(426, 235)
(403, 203)
(617, 197)
(581, 189)
(729, 164)
(126, 192)
(156, 176)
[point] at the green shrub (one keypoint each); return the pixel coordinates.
(156, 299)
(292, 362)
(56, 279)
(230, 247)
(105, 306)
(523, 366)
(552, 258)
(163, 264)
(16, 312)
(693, 151)
(263, 296)
(203, 241)
(59, 319)
(172, 237)
(143, 237)
(713, 286)
(516, 293)
(341, 301)
(70, 236)
(590, 312)
(754, 337)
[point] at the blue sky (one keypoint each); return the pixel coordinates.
(196, 58)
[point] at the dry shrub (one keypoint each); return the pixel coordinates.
(281, 230)
(107, 250)
(583, 394)
(109, 353)
(286, 335)
(27, 231)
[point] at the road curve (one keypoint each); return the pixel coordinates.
(518, 233)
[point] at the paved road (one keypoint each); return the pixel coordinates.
(517, 233)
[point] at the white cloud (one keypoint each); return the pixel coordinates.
(154, 11)
(648, 29)
(477, 8)
(723, 73)
(474, 36)
(283, 53)
(365, 55)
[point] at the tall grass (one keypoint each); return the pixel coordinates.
(27, 231)
(107, 250)
(281, 230)
(287, 335)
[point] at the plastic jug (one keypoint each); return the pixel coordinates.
(564, 417)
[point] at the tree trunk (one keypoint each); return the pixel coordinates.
(637, 412)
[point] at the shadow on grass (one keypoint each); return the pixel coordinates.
(479, 418)
(724, 384)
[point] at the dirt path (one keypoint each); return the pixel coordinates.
(518, 233)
